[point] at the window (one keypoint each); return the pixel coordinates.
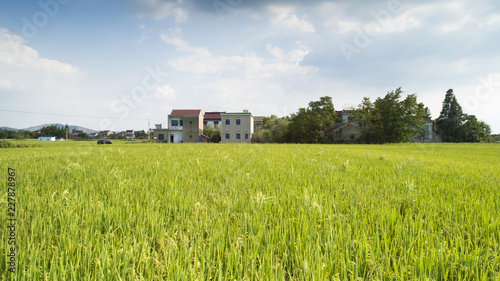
(175, 123)
(228, 121)
(190, 136)
(190, 122)
(216, 123)
(228, 136)
(426, 127)
(181, 123)
(238, 121)
(205, 123)
(247, 136)
(161, 136)
(238, 136)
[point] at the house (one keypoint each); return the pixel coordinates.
(344, 115)
(93, 135)
(237, 127)
(258, 121)
(428, 134)
(160, 134)
(129, 134)
(47, 138)
(185, 125)
(74, 135)
(345, 132)
(212, 119)
(105, 133)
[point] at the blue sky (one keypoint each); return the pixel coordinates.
(120, 63)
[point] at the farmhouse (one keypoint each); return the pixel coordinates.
(185, 125)
(428, 134)
(212, 119)
(237, 127)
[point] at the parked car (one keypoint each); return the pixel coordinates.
(104, 142)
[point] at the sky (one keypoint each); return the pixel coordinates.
(109, 64)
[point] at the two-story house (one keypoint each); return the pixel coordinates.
(185, 125)
(212, 119)
(237, 127)
(428, 134)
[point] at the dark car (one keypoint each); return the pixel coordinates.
(104, 142)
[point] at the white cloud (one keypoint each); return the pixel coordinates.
(165, 91)
(284, 19)
(200, 60)
(20, 63)
(15, 53)
(5, 84)
(159, 9)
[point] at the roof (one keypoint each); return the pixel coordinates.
(343, 111)
(237, 113)
(212, 116)
(337, 126)
(186, 112)
(427, 119)
(258, 118)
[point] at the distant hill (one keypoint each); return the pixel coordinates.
(8, 128)
(71, 128)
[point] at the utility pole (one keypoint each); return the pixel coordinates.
(149, 132)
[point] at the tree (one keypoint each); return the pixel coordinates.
(450, 120)
(365, 117)
(273, 130)
(141, 134)
(53, 131)
(474, 130)
(309, 125)
(389, 120)
(83, 136)
(212, 133)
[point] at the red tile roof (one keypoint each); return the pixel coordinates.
(186, 112)
(212, 116)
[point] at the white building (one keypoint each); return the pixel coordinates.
(47, 138)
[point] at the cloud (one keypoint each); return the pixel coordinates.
(158, 9)
(14, 52)
(165, 91)
(20, 63)
(5, 84)
(283, 19)
(199, 60)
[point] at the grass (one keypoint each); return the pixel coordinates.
(138, 211)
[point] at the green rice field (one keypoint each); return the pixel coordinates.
(144, 211)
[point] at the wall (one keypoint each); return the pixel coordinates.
(246, 126)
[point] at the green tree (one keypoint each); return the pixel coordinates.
(450, 120)
(309, 125)
(366, 118)
(389, 120)
(475, 130)
(212, 133)
(53, 131)
(273, 130)
(141, 135)
(83, 136)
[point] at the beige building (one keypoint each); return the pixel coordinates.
(237, 127)
(185, 125)
(346, 133)
(258, 121)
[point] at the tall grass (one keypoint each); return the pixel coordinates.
(255, 212)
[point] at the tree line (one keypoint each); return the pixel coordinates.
(390, 119)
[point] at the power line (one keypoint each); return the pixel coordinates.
(70, 115)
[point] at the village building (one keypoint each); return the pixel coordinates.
(237, 127)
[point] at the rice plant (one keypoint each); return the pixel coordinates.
(138, 211)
